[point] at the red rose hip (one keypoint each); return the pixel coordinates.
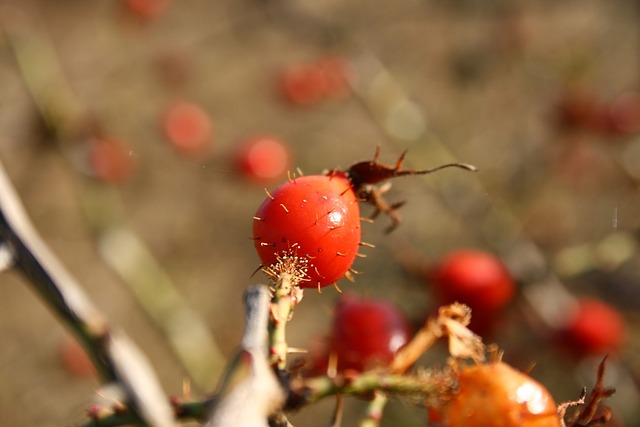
(593, 328)
(473, 277)
(315, 217)
(263, 158)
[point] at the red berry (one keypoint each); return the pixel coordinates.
(367, 333)
(303, 84)
(475, 278)
(146, 9)
(188, 127)
(310, 83)
(263, 158)
(582, 109)
(594, 328)
(75, 360)
(316, 217)
(495, 394)
(624, 114)
(337, 74)
(111, 160)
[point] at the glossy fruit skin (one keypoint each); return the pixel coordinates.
(316, 217)
(496, 395)
(594, 328)
(263, 158)
(476, 278)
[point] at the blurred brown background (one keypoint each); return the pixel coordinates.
(476, 81)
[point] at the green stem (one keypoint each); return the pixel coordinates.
(373, 416)
(304, 392)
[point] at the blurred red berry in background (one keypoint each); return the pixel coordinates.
(624, 114)
(187, 127)
(582, 109)
(263, 158)
(146, 9)
(475, 278)
(110, 160)
(366, 334)
(74, 359)
(312, 82)
(593, 328)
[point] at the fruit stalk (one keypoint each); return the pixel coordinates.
(310, 390)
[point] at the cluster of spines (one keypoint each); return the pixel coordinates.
(288, 265)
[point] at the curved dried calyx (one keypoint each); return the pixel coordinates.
(364, 177)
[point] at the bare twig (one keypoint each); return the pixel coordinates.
(68, 119)
(250, 391)
(115, 357)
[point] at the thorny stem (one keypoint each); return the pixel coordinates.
(302, 392)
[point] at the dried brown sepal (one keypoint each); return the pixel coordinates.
(564, 406)
(451, 322)
(373, 172)
(463, 343)
(586, 414)
(444, 383)
(365, 177)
